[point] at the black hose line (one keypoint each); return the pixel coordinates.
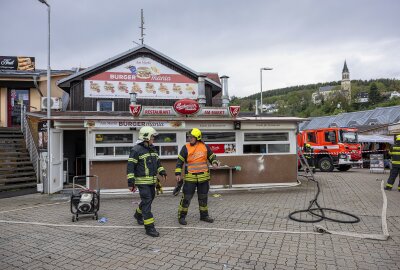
(319, 211)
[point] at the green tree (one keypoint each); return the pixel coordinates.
(374, 95)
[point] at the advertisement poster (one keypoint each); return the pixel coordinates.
(17, 63)
(221, 148)
(143, 76)
(376, 162)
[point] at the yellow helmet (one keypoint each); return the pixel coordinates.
(397, 137)
(145, 133)
(195, 132)
(308, 145)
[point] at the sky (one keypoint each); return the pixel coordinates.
(303, 41)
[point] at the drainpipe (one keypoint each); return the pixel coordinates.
(202, 90)
(225, 94)
(256, 113)
(35, 82)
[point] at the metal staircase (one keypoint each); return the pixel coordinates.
(16, 168)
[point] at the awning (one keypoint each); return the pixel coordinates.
(376, 138)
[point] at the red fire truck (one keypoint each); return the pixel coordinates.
(332, 147)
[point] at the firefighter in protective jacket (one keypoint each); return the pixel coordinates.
(196, 155)
(143, 167)
(395, 171)
(309, 155)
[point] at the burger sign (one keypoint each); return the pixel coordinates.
(186, 107)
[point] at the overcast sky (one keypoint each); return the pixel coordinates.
(304, 41)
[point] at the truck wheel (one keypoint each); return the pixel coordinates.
(344, 168)
(325, 164)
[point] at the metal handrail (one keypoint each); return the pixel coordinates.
(30, 143)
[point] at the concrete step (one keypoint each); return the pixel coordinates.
(18, 186)
(17, 180)
(2, 163)
(18, 174)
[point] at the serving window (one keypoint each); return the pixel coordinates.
(113, 144)
(266, 143)
(166, 144)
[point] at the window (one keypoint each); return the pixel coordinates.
(311, 137)
(266, 143)
(113, 144)
(105, 105)
(330, 136)
(284, 136)
(219, 136)
(166, 144)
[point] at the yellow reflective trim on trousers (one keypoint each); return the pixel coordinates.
(396, 162)
(396, 147)
(184, 209)
(394, 153)
(178, 170)
(203, 208)
(389, 185)
(138, 210)
(181, 158)
(148, 221)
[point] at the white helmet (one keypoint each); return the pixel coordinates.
(145, 133)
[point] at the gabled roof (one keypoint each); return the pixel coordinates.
(65, 83)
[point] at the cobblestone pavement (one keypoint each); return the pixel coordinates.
(246, 216)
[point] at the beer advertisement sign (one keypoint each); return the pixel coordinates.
(23, 63)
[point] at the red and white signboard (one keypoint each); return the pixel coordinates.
(186, 106)
(143, 76)
(220, 148)
(133, 124)
(234, 110)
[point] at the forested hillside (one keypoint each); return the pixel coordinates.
(297, 101)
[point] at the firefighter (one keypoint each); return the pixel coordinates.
(309, 155)
(143, 166)
(395, 170)
(196, 155)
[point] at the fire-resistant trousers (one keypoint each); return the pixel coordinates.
(189, 189)
(147, 194)
(394, 172)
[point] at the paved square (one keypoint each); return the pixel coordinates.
(240, 237)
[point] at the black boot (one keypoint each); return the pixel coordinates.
(388, 188)
(207, 219)
(152, 231)
(182, 221)
(139, 218)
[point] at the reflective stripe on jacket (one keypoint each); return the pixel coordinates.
(395, 153)
(143, 165)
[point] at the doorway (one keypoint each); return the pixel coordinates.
(74, 155)
(15, 98)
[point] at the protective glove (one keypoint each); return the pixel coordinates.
(159, 188)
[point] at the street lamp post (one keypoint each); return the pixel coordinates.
(261, 90)
(48, 96)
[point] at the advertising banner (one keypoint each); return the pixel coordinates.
(17, 63)
(221, 148)
(143, 76)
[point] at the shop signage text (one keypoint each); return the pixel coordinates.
(133, 124)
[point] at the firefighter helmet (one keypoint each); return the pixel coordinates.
(308, 145)
(195, 132)
(398, 138)
(145, 133)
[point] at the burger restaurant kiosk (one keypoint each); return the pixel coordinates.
(111, 101)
